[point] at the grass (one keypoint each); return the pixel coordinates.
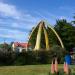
(28, 70)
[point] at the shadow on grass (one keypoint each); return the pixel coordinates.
(61, 74)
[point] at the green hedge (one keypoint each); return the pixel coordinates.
(32, 57)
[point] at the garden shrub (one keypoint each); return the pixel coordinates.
(32, 57)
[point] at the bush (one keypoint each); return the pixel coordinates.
(32, 57)
(57, 51)
(6, 57)
(41, 56)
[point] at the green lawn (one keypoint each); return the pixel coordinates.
(28, 70)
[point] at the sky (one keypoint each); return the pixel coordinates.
(17, 17)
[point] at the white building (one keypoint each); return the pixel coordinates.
(17, 46)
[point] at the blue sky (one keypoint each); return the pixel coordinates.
(17, 17)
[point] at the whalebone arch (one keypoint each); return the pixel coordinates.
(40, 37)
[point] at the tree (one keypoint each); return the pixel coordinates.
(7, 56)
(67, 33)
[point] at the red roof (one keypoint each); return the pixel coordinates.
(18, 44)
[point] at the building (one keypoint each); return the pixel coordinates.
(19, 47)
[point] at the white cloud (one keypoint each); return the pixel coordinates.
(9, 10)
(14, 34)
(12, 17)
(12, 11)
